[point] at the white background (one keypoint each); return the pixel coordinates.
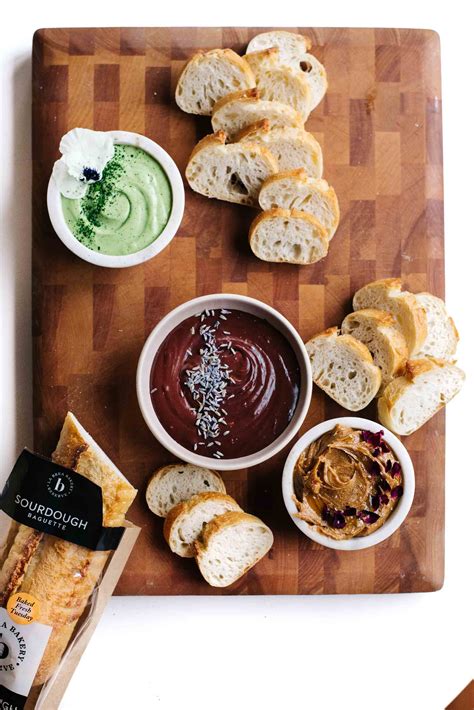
(402, 651)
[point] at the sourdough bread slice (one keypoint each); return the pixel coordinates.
(293, 148)
(241, 109)
(289, 43)
(378, 330)
(288, 236)
(185, 522)
(208, 76)
(411, 400)
(173, 484)
(294, 190)
(442, 337)
(410, 316)
(343, 368)
(230, 545)
(233, 172)
(277, 81)
(308, 66)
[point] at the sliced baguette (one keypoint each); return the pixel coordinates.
(233, 172)
(294, 190)
(289, 43)
(230, 545)
(292, 148)
(442, 338)
(409, 314)
(288, 236)
(185, 522)
(344, 368)
(378, 330)
(208, 76)
(411, 400)
(308, 66)
(173, 484)
(277, 81)
(236, 111)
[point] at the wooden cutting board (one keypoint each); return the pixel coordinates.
(380, 129)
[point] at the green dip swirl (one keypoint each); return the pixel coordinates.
(127, 209)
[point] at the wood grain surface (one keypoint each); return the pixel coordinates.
(380, 129)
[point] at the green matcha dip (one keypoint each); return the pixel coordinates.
(127, 209)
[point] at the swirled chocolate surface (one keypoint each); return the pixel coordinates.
(225, 384)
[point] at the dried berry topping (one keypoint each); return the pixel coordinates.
(377, 451)
(372, 437)
(338, 520)
(374, 468)
(383, 485)
(375, 501)
(368, 517)
(349, 511)
(388, 464)
(326, 514)
(397, 492)
(384, 446)
(396, 470)
(383, 499)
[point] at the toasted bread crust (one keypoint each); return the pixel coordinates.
(218, 138)
(250, 95)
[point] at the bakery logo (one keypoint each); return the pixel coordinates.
(4, 649)
(60, 484)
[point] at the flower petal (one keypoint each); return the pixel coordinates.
(67, 185)
(86, 153)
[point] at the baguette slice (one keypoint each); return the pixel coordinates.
(173, 484)
(277, 81)
(294, 190)
(208, 76)
(290, 44)
(230, 545)
(236, 111)
(308, 66)
(377, 330)
(185, 522)
(411, 400)
(288, 236)
(233, 172)
(293, 148)
(410, 316)
(442, 338)
(344, 368)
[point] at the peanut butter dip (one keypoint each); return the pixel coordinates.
(347, 483)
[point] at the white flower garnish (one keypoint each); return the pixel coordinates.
(85, 154)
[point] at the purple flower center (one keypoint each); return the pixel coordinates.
(91, 175)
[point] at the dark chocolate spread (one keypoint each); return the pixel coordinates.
(225, 384)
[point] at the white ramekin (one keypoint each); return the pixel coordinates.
(61, 228)
(393, 521)
(168, 323)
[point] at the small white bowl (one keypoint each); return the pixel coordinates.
(61, 228)
(393, 521)
(174, 318)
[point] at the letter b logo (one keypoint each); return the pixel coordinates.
(59, 485)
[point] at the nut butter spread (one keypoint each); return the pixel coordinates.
(347, 483)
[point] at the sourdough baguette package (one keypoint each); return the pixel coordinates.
(65, 542)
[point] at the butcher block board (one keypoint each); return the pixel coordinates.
(380, 130)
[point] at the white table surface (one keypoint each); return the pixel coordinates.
(369, 652)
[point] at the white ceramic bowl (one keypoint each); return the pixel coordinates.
(177, 188)
(393, 521)
(168, 323)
